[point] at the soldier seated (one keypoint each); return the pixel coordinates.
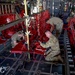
(53, 53)
(17, 37)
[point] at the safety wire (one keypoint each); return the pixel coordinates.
(38, 1)
(27, 25)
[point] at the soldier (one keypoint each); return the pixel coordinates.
(56, 23)
(16, 38)
(53, 51)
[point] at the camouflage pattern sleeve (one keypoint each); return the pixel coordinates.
(50, 43)
(47, 44)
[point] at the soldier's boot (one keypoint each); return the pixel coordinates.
(60, 58)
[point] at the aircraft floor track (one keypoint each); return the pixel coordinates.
(16, 65)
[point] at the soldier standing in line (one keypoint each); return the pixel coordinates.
(53, 51)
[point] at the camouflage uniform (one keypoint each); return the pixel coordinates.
(58, 23)
(15, 38)
(55, 50)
